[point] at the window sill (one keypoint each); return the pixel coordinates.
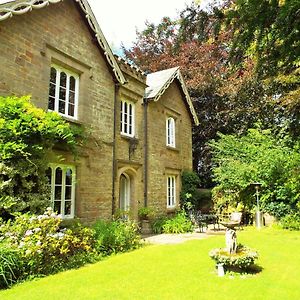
(129, 138)
(71, 120)
(171, 208)
(172, 148)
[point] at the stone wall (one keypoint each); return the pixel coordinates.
(163, 160)
(130, 151)
(58, 34)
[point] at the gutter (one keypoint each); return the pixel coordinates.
(145, 152)
(114, 163)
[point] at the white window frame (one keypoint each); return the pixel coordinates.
(171, 191)
(170, 132)
(125, 126)
(69, 73)
(125, 205)
(64, 168)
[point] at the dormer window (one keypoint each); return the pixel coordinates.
(63, 92)
(170, 132)
(127, 118)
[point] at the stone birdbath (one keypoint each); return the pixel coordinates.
(233, 256)
(230, 236)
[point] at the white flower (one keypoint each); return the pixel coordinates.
(28, 232)
(27, 252)
(48, 211)
(38, 243)
(37, 229)
(22, 244)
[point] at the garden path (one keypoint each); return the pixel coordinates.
(183, 237)
(174, 238)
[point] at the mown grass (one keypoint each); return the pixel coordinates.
(181, 271)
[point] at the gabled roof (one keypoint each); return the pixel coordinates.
(10, 8)
(158, 83)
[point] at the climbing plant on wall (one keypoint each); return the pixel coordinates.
(27, 136)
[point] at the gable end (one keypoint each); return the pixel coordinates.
(14, 8)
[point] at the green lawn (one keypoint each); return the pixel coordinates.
(181, 271)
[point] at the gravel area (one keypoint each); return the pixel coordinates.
(174, 238)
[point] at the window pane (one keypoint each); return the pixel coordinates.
(63, 79)
(130, 129)
(130, 109)
(58, 176)
(51, 102)
(57, 206)
(62, 94)
(72, 83)
(71, 110)
(57, 192)
(71, 97)
(69, 177)
(68, 193)
(62, 106)
(53, 75)
(68, 205)
(52, 89)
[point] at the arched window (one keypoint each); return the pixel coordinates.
(124, 192)
(63, 91)
(170, 132)
(62, 182)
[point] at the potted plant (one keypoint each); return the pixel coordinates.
(145, 213)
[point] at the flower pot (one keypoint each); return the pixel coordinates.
(146, 227)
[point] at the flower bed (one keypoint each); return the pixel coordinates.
(243, 259)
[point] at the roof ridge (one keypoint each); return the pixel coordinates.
(12, 8)
(130, 64)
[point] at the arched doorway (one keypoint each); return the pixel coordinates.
(125, 193)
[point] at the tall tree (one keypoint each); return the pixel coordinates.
(226, 100)
(268, 32)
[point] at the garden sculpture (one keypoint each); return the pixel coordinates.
(230, 239)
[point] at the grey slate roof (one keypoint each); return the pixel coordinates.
(157, 80)
(158, 83)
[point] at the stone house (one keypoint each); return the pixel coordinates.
(141, 125)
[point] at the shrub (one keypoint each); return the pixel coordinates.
(258, 155)
(45, 248)
(158, 223)
(178, 224)
(291, 221)
(10, 265)
(116, 236)
(243, 259)
(277, 209)
(27, 134)
(190, 183)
